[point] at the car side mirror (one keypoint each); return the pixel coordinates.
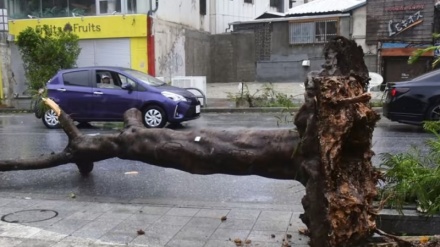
(127, 86)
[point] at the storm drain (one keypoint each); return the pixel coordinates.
(29, 216)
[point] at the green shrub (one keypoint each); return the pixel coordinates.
(44, 51)
(266, 96)
(414, 177)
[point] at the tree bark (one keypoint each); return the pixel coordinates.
(330, 154)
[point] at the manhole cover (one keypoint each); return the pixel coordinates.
(29, 216)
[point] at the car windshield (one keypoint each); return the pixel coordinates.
(145, 78)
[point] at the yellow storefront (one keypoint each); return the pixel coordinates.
(112, 40)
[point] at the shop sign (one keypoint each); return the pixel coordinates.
(90, 27)
(405, 8)
(395, 28)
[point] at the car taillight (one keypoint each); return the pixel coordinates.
(394, 91)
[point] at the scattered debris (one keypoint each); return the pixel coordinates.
(140, 232)
(72, 195)
(248, 241)
(27, 198)
(304, 231)
(132, 173)
(238, 242)
(288, 235)
(272, 235)
(286, 244)
(223, 218)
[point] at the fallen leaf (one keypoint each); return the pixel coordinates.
(248, 241)
(424, 239)
(223, 218)
(140, 232)
(131, 173)
(238, 242)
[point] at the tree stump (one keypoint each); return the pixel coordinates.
(336, 127)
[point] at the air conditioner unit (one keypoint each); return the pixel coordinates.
(198, 82)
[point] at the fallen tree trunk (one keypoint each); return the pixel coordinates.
(330, 155)
(267, 153)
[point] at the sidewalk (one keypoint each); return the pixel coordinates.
(71, 222)
(217, 93)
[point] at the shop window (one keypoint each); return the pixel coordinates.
(20, 9)
(312, 32)
(203, 7)
(106, 7)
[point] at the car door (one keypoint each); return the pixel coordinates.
(73, 94)
(111, 101)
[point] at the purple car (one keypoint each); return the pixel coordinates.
(105, 93)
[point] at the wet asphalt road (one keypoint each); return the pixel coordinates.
(22, 135)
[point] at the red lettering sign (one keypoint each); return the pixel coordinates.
(405, 7)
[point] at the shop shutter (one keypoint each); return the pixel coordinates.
(105, 52)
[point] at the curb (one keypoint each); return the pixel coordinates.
(260, 109)
(209, 110)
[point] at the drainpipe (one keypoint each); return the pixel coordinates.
(379, 59)
(150, 39)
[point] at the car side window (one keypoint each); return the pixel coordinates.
(76, 78)
(125, 80)
(107, 79)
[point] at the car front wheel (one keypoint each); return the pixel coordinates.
(434, 113)
(50, 119)
(154, 117)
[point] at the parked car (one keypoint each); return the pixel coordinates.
(414, 101)
(104, 93)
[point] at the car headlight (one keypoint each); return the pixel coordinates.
(173, 96)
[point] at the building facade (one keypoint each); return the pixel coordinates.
(288, 47)
(164, 38)
(111, 32)
(397, 29)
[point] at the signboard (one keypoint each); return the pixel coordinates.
(395, 28)
(89, 27)
(399, 21)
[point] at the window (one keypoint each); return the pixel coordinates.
(274, 3)
(312, 32)
(249, 1)
(291, 2)
(127, 81)
(203, 7)
(77, 78)
(24, 9)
